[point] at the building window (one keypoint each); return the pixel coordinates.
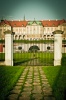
(16, 30)
(30, 38)
(47, 29)
(20, 30)
(46, 25)
(16, 37)
(44, 29)
(64, 28)
(51, 29)
(53, 25)
(19, 37)
(23, 36)
(0, 30)
(14, 24)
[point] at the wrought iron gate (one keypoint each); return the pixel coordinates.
(33, 52)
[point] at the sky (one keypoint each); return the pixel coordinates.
(38, 9)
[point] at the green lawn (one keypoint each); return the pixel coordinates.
(57, 79)
(8, 78)
(56, 75)
(44, 57)
(2, 56)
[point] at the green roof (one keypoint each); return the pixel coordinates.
(37, 22)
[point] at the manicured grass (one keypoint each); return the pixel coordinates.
(63, 59)
(2, 56)
(44, 57)
(8, 78)
(33, 41)
(57, 79)
(20, 58)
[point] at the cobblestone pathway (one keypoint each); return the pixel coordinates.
(32, 85)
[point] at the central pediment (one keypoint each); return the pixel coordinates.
(34, 23)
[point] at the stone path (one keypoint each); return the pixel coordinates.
(33, 62)
(32, 85)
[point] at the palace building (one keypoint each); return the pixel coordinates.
(32, 30)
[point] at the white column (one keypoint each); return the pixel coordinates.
(57, 47)
(8, 48)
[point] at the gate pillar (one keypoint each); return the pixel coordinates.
(8, 48)
(57, 47)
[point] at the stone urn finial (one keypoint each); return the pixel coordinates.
(58, 32)
(9, 32)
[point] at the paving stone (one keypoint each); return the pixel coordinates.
(29, 75)
(13, 97)
(27, 89)
(46, 93)
(41, 72)
(26, 93)
(19, 84)
(36, 78)
(15, 91)
(44, 83)
(47, 88)
(20, 81)
(42, 76)
(37, 91)
(36, 74)
(24, 98)
(21, 78)
(28, 79)
(46, 80)
(28, 84)
(35, 83)
(37, 96)
(37, 87)
(17, 87)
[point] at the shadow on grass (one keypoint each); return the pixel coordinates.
(8, 78)
(24, 61)
(59, 86)
(57, 79)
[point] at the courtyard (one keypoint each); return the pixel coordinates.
(32, 82)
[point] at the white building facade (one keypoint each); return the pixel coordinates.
(33, 30)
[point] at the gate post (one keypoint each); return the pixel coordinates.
(8, 48)
(57, 47)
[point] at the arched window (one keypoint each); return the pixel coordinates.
(23, 36)
(16, 37)
(19, 37)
